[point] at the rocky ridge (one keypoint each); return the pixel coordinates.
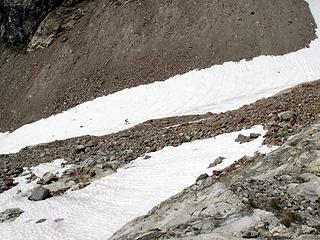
(265, 197)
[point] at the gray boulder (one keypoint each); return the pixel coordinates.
(59, 187)
(39, 193)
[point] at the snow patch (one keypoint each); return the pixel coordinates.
(100, 209)
(56, 167)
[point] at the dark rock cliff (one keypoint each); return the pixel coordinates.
(19, 19)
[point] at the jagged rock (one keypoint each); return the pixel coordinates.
(20, 19)
(10, 215)
(39, 193)
(47, 178)
(216, 162)
(59, 187)
(242, 139)
(251, 233)
(254, 135)
(287, 116)
(80, 149)
(202, 176)
(152, 234)
(314, 167)
(79, 186)
(6, 183)
(309, 190)
(57, 21)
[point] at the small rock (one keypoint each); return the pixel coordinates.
(10, 215)
(39, 193)
(47, 178)
(314, 167)
(79, 186)
(216, 162)
(80, 149)
(286, 116)
(242, 139)
(202, 176)
(216, 173)
(251, 233)
(41, 220)
(254, 135)
(57, 188)
(307, 230)
(64, 39)
(58, 220)
(9, 182)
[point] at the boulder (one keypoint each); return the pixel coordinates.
(47, 178)
(59, 187)
(39, 193)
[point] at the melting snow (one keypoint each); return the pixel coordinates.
(100, 209)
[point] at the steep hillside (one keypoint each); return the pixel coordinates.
(101, 47)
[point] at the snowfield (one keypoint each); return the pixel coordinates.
(219, 88)
(100, 209)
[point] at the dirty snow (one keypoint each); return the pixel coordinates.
(100, 209)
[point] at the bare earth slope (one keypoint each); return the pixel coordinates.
(120, 44)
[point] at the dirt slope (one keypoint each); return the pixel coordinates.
(120, 44)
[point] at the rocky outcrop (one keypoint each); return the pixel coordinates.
(19, 19)
(39, 193)
(270, 197)
(10, 215)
